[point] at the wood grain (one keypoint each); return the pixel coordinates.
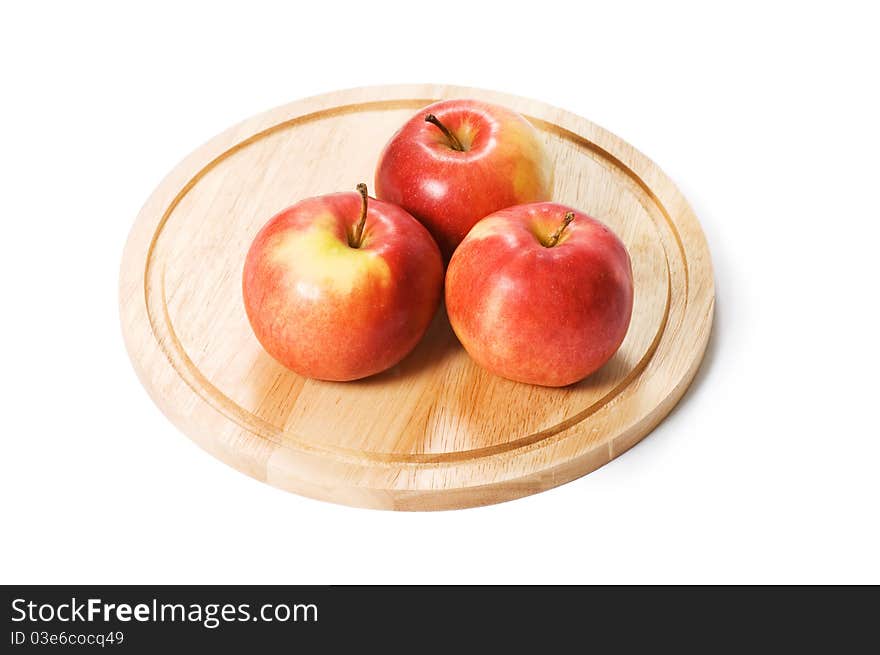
(436, 431)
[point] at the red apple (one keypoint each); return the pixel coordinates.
(340, 287)
(540, 293)
(457, 161)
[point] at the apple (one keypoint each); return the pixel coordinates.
(540, 293)
(457, 161)
(340, 287)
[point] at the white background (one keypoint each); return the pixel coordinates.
(766, 115)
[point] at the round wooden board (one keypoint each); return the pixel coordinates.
(436, 431)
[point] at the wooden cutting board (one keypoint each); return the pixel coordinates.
(436, 431)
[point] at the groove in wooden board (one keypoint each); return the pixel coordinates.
(438, 372)
(436, 407)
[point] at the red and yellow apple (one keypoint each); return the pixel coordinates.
(540, 293)
(457, 161)
(340, 286)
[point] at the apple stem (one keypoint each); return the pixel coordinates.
(359, 228)
(453, 140)
(554, 238)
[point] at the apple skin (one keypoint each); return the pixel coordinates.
(331, 311)
(543, 315)
(503, 164)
